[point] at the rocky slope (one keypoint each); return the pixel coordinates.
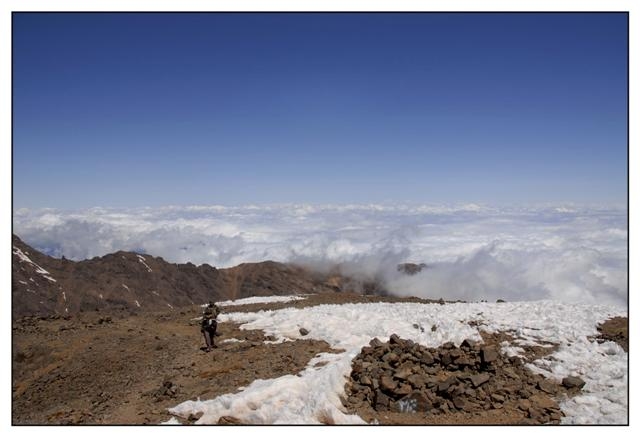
(42, 285)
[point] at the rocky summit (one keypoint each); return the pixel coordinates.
(404, 377)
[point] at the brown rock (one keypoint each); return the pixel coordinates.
(468, 343)
(459, 402)
(426, 358)
(479, 378)
(195, 417)
(365, 380)
(497, 398)
(402, 390)
(403, 373)
(573, 382)
(375, 343)
(445, 359)
(539, 400)
(229, 420)
(417, 380)
(488, 355)
(390, 358)
(524, 404)
(446, 384)
(547, 386)
(382, 401)
(387, 383)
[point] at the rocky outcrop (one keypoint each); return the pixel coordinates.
(401, 376)
(411, 268)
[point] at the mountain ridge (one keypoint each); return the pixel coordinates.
(43, 285)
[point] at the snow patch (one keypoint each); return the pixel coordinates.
(313, 395)
(137, 303)
(142, 260)
(259, 299)
(39, 270)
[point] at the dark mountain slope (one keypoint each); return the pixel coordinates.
(125, 280)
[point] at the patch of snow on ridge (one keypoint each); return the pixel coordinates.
(142, 260)
(259, 299)
(39, 270)
(313, 395)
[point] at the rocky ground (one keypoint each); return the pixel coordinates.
(403, 382)
(116, 368)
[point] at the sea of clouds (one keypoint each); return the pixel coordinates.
(567, 253)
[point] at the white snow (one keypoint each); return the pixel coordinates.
(101, 296)
(142, 260)
(231, 340)
(170, 306)
(64, 296)
(313, 395)
(23, 282)
(137, 303)
(126, 287)
(259, 299)
(39, 270)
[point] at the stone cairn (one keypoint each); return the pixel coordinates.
(402, 376)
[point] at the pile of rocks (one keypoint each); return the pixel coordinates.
(404, 377)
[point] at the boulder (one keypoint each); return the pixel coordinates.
(427, 358)
(390, 357)
(375, 343)
(403, 373)
(488, 355)
(468, 343)
(387, 383)
(547, 386)
(402, 390)
(479, 378)
(459, 402)
(573, 382)
(542, 401)
(382, 401)
(443, 386)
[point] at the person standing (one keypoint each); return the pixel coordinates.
(209, 325)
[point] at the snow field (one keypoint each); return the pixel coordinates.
(313, 395)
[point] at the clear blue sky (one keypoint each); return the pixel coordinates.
(157, 109)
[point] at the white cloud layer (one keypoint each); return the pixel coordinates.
(561, 252)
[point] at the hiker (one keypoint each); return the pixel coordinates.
(209, 325)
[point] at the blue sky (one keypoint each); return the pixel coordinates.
(155, 109)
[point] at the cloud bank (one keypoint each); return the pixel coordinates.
(560, 252)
